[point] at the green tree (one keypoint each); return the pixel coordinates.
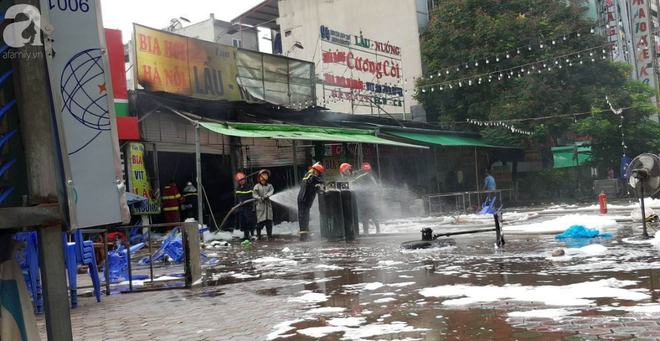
(465, 33)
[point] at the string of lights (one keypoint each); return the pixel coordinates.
(544, 44)
(547, 64)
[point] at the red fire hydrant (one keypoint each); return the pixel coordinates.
(602, 200)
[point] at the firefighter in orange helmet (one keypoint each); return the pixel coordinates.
(311, 184)
(171, 199)
(346, 170)
(366, 190)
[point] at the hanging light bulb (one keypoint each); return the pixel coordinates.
(460, 84)
(431, 76)
(497, 59)
(441, 88)
(518, 50)
(507, 55)
(432, 89)
(581, 62)
(560, 66)
(578, 34)
(467, 66)
(447, 71)
(593, 59)
(544, 65)
(541, 46)
(451, 86)
(439, 74)
(564, 37)
(529, 48)
(470, 82)
(476, 63)
(549, 69)
(553, 42)
(556, 62)
(423, 90)
(592, 30)
(487, 61)
(567, 60)
(570, 64)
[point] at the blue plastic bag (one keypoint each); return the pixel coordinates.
(579, 231)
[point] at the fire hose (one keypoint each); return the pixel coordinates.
(232, 211)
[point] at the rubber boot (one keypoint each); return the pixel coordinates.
(246, 235)
(269, 231)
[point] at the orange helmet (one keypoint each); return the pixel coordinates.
(318, 167)
(344, 167)
(366, 166)
(240, 176)
(263, 171)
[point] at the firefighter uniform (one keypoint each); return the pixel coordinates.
(310, 186)
(245, 212)
(171, 198)
(190, 204)
(366, 190)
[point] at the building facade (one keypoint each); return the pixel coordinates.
(222, 32)
(367, 53)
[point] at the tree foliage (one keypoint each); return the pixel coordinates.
(570, 99)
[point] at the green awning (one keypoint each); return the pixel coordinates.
(288, 132)
(445, 140)
(565, 156)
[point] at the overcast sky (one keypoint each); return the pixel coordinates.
(121, 14)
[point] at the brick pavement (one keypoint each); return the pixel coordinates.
(236, 312)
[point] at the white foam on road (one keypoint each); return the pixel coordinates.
(326, 310)
(385, 300)
(580, 294)
(274, 261)
(362, 332)
(347, 321)
(282, 328)
(561, 224)
(310, 297)
(328, 267)
(556, 314)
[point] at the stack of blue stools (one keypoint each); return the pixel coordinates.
(80, 252)
(29, 261)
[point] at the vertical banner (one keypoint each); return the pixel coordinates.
(127, 127)
(139, 180)
(643, 41)
(81, 89)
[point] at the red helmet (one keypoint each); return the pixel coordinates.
(366, 166)
(240, 176)
(318, 167)
(263, 171)
(344, 167)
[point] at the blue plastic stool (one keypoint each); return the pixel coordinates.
(80, 252)
(29, 262)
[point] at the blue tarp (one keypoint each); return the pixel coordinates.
(579, 231)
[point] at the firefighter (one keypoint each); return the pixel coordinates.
(262, 192)
(190, 205)
(346, 170)
(311, 184)
(366, 190)
(171, 199)
(246, 211)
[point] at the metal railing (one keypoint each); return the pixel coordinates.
(463, 200)
(192, 268)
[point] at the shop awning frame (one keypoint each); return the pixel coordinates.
(446, 140)
(291, 132)
(565, 157)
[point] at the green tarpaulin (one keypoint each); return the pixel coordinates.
(566, 156)
(444, 140)
(286, 132)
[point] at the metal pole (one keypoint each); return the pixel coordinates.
(151, 255)
(295, 161)
(53, 274)
(106, 273)
(476, 173)
(198, 157)
(130, 270)
(645, 234)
